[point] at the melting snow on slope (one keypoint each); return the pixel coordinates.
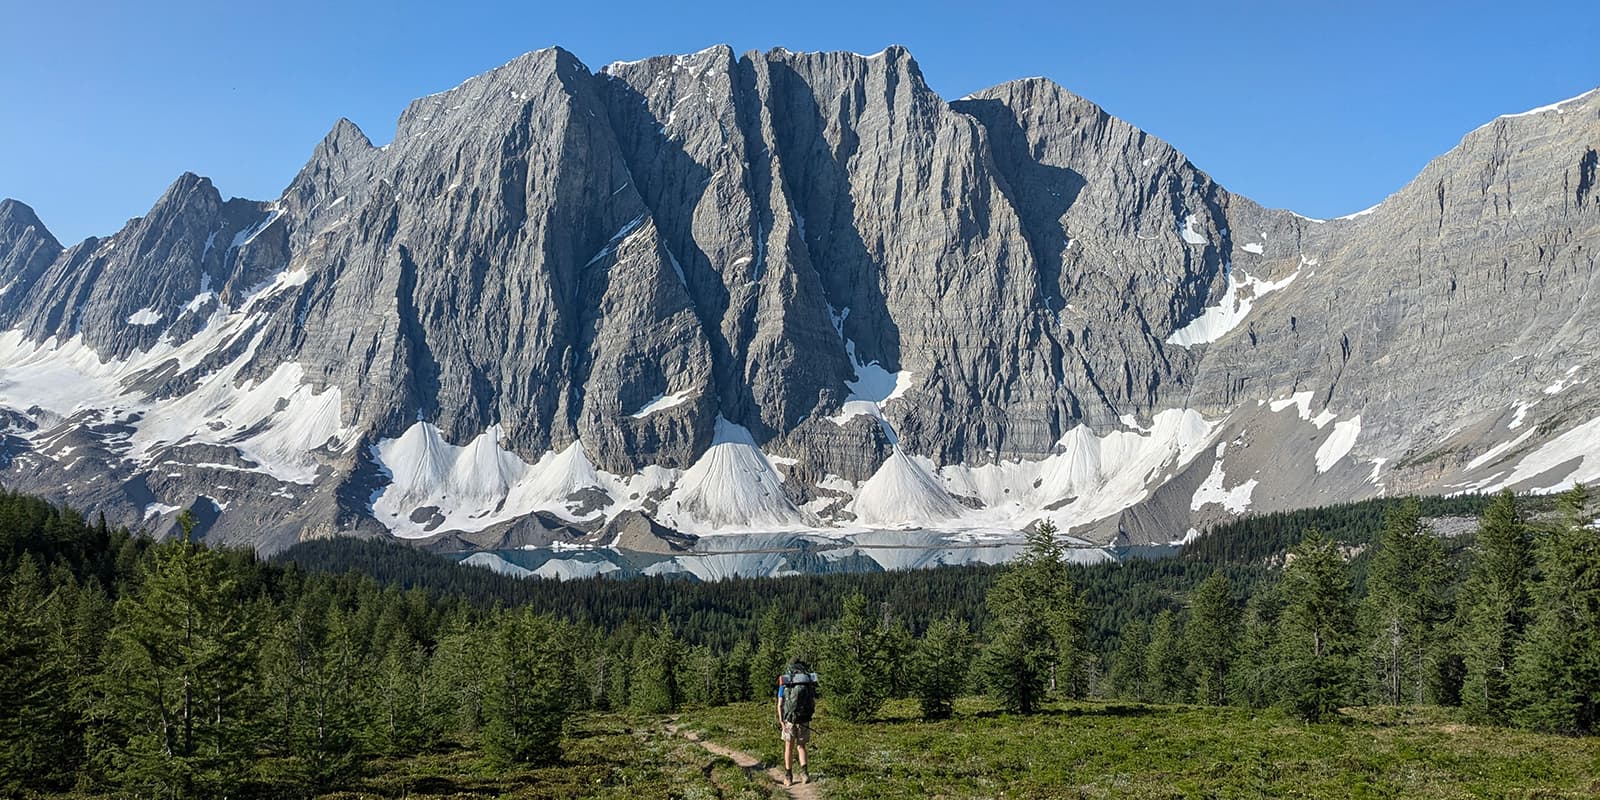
(1581, 444)
(473, 486)
(1520, 411)
(873, 385)
(1211, 492)
(1189, 234)
(556, 477)
(159, 509)
(1495, 452)
(662, 402)
(144, 316)
(1089, 478)
(1566, 381)
(1216, 321)
(275, 422)
(1338, 444)
(901, 492)
(1253, 247)
(1300, 399)
(731, 485)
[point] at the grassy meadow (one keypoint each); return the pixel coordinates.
(1095, 749)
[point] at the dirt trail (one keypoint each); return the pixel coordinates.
(799, 791)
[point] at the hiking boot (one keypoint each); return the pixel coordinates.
(805, 774)
(788, 778)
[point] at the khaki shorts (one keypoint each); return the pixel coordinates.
(797, 732)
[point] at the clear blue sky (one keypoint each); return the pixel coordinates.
(1323, 108)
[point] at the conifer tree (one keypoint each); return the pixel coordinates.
(1128, 678)
(857, 665)
(457, 675)
(1496, 606)
(772, 649)
(309, 672)
(32, 683)
(702, 677)
(1316, 631)
(1166, 668)
(939, 666)
(1557, 681)
(178, 678)
(1405, 604)
(736, 671)
(1212, 635)
(405, 710)
(1254, 680)
(1035, 628)
(530, 686)
(657, 658)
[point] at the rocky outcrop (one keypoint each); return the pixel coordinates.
(795, 291)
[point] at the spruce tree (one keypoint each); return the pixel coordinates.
(1496, 607)
(1557, 681)
(856, 666)
(702, 677)
(771, 653)
(1035, 626)
(1316, 631)
(1166, 668)
(1212, 634)
(1406, 602)
(530, 686)
(657, 659)
(458, 677)
(33, 698)
(736, 672)
(939, 666)
(1254, 680)
(1128, 678)
(178, 677)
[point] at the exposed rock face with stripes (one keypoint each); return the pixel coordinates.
(798, 291)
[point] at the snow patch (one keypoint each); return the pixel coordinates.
(1300, 399)
(144, 316)
(662, 402)
(1556, 107)
(1520, 412)
(1253, 247)
(1338, 444)
(1495, 452)
(473, 486)
(1581, 444)
(1212, 491)
(158, 510)
(1216, 321)
(874, 385)
(1189, 234)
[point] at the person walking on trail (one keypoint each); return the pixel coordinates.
(797, 701)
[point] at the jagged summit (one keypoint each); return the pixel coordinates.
(790, 291)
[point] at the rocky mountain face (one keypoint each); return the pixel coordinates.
(798, 291)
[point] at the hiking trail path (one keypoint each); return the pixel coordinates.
(799, 791)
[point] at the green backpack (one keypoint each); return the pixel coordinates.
(799, 696)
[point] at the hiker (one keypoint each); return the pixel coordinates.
(797, 700)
